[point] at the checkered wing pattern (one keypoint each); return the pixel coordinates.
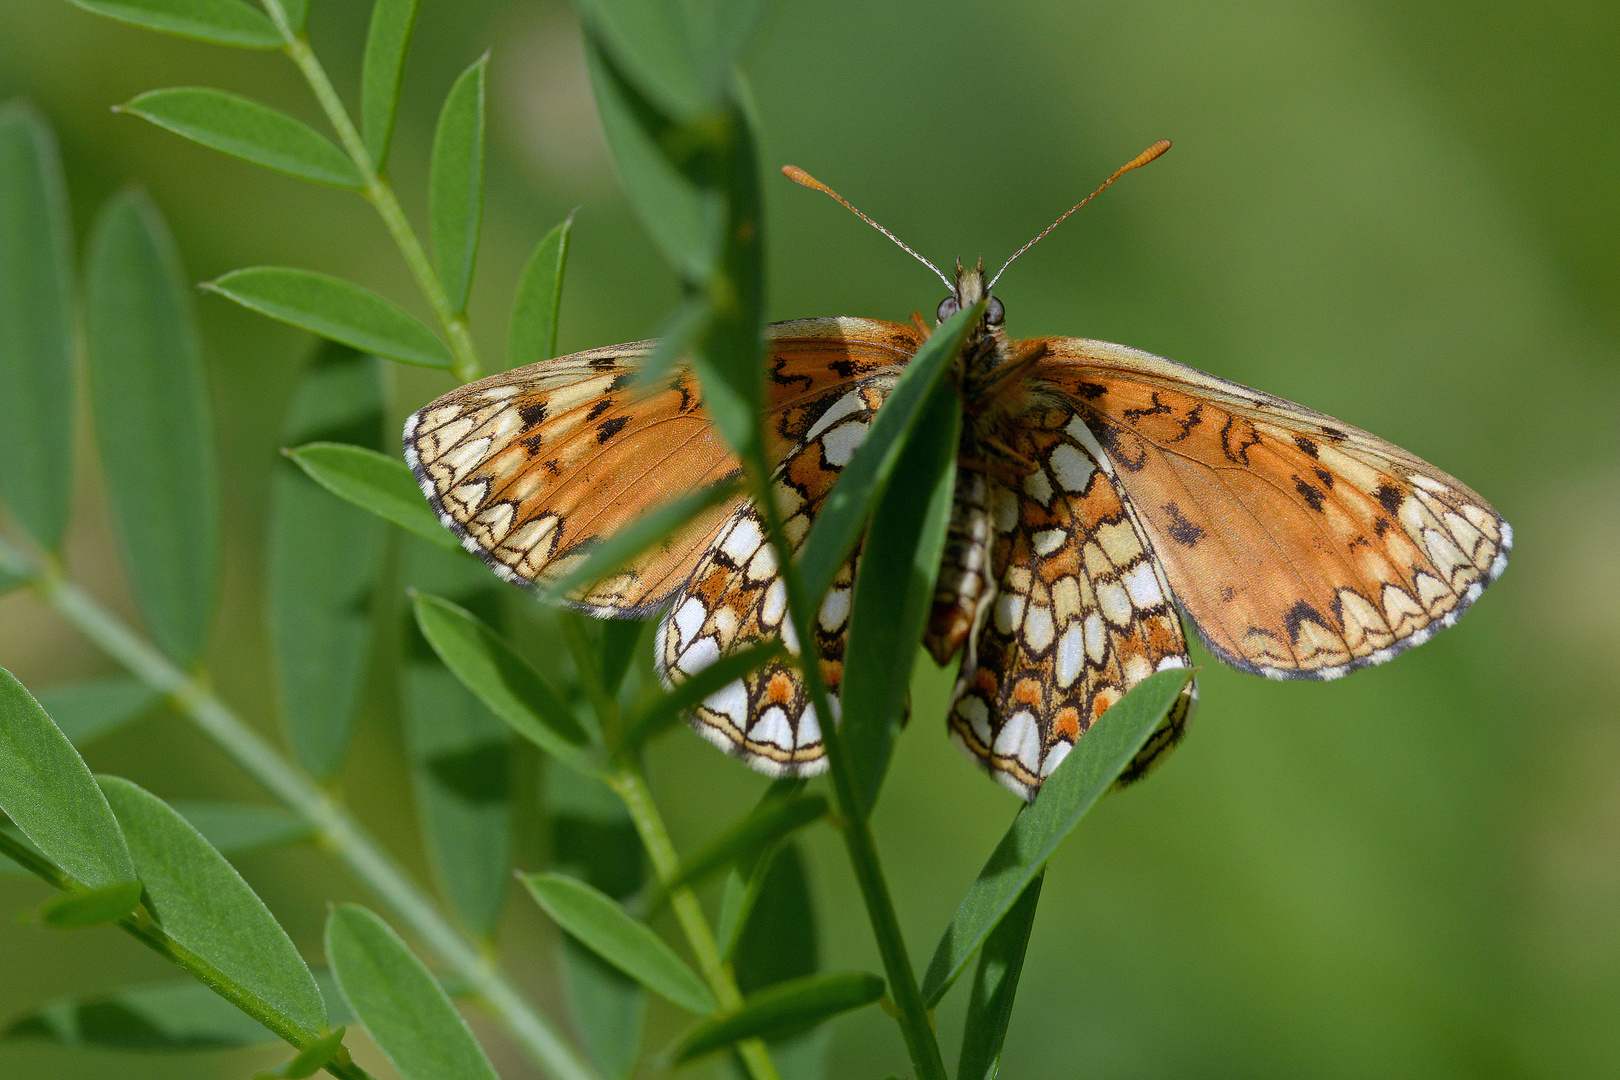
(1082, 612)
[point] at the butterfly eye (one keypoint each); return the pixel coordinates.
(947, 308)
(994, 313)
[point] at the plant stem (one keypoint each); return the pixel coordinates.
(632, 788)
(140, 925)
(380, 193)
(914, 1021)
(357, 850)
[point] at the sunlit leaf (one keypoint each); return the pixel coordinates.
(532, 335)
(781, 1010)
(376, 483)
(387, 42)
(456, 182)
(242, 128)
(223, 22)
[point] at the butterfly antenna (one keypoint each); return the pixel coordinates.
(799, 176)
(1135, 163)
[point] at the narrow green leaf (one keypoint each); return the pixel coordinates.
(89, 710)
(594, 840)
(651, 528)
(149, 397)
(598, 922)
(232, 828)
(48, 793)
(309, 1060)
(203, 903)
(334, 309)
(456, 182)
(242, 128)
(376, 483)
(781, 1010)
(688, 322)
(838, 525)
(223, 22)
(36, 327)
(325, 562)
(179, 1015)
(745, 880)
(771, 822)
(779, 939)
(532, 335)
(1104, 750)
(894, 590)
(387, 43)
(990, 1007)
(619, 640)
(501, 678)
(405, 1011)
(664, 710)
(91, 907)
(681, 55)
(460, 753)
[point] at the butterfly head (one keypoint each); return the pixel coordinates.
(969, 289)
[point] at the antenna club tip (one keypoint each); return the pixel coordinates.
(1147, 155)
(799, 176)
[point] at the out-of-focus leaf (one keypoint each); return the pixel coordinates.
(1001, 961)
(223, 22)
(681, 55)
(667, 708)
(335, 309)
(90, 907)
(779, 940)
(532, 335)
(36, 327)
(682, 327)
(10, 581)
(502, 679)
(894, 591)
(149, 396)
(1068, 793)
(771, 822)
(309, 1060)
(89, 710)
(656, 525)
(456, 182)
(374, 482)
(459, 752)
(783, 1009)
(387, 42)
(600, 923)
(619, 639)
(594, 840)
(242, 128)
(203, 903)
(406, 1013)
(326, 558)
(239, 827)
(48, 793)
(848, 504)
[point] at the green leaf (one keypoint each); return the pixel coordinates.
(309, 1060)
(532, 336)
(894, 591)
(502, 679)
(767, 825)
(653, 527)
(91, 907)
(89, 710)
(179, 1015)
(681, 55)
(460, 753)
(594, 840)
(1103, 751)
(233, 828)
(149, 397)
(297, 13)
(781, 1010)
(387, 42)
(682, 328)
(598, 922)
(36, 327)
(325, 562)
(48, 793)
(838, 525)
(456, 182)
(405, 1011)
(242, 128)
(619, 640)
(203, 903)
(334, 309)
(376, 483)
(10, 581)
(223, 22)
(666, 709)
(990, 1007)
(779, 940)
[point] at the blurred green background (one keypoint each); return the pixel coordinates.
(1403, 215)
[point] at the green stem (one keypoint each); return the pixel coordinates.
(380, 193)
(914, 1020)
(357, 850)
(632, 788)
(139, 925)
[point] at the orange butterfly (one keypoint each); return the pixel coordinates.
(1099, 489)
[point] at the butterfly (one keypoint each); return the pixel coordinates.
(1102, 493)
